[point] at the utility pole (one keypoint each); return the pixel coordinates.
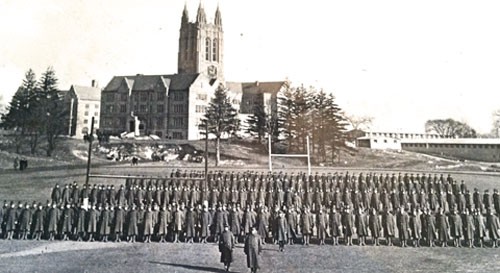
(89, 157)
(206, 153)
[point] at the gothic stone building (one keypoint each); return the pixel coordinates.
(171, 106)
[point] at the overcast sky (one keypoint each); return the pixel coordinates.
(402, 62)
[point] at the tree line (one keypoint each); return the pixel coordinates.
(295, 114)
(36, 113)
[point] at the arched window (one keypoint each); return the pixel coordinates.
(214, 51)
(207, 49)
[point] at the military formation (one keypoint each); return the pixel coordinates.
(283, 208)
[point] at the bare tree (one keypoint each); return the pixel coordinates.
(450, 128)
(495, 131)
(359, 122)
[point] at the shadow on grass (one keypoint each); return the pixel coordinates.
(191, 267)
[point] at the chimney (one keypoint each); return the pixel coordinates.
(94, 83)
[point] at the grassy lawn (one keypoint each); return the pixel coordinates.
(124, 257)
(43, 256)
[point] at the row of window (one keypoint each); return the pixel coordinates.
(177, 123)
(141, 96)
(143, 108)
(456, 146)
(385, 141)
(96, 114)
(86, 121)
(87, 106)
(214, 53)
(201, 109)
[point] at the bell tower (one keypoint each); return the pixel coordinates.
(201, 45)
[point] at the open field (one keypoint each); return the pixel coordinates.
(43, 256)
(36, 183)
(28, 256)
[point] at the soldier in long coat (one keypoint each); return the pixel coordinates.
(456, 228)
(253, 248)
(178, 223)
(479, 227)
(226, 245)
(67, 222)
(80, 227)
(163, 223)
(429, 227)
(322, 225)
(235, 222)
(375, 225)
(52, 221)
(468, 225)
(403, 226)
(38, 222)
(25, 222)
(92, 220)
(349, 227)
(131, 223)
(360, 222)
(493, 226)
(11, 221)
(263, 223)
(190, 225)
(307, 224)
(281, 230)
(335, 226)
(416, 226)
(118, 222)
(148, 224)
(104, 223)
(292, 220)
(205, 222)
(442, 225)
(220, 219)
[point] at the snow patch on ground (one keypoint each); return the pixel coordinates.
(61, 247)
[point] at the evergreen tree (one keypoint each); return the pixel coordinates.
(221, 119)
(258, 122)
(300, 122)
(336, 127)
(52, 110)
(21, 116)
(285, 115)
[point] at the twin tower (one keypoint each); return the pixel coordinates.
(201, 45)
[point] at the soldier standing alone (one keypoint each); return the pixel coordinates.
(226, 245)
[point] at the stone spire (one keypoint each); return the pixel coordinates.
(218, 17)
(201, 17)
(185, 15)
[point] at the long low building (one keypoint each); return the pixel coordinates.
(480, 149)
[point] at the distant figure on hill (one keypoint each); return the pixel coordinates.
(135, 160)
(16, 163)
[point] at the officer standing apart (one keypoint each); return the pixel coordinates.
(253, 248)
(226, 245)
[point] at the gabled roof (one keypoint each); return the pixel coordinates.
(255, 87)
(148, 82)
(87, 93)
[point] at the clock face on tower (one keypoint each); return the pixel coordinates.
(212, 71)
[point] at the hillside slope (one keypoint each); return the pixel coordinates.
(245, 155)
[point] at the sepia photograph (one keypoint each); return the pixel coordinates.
(247, 136)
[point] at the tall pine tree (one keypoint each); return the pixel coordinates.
(221, 119)
(52, 110)
(258, 122)
(21, 115)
